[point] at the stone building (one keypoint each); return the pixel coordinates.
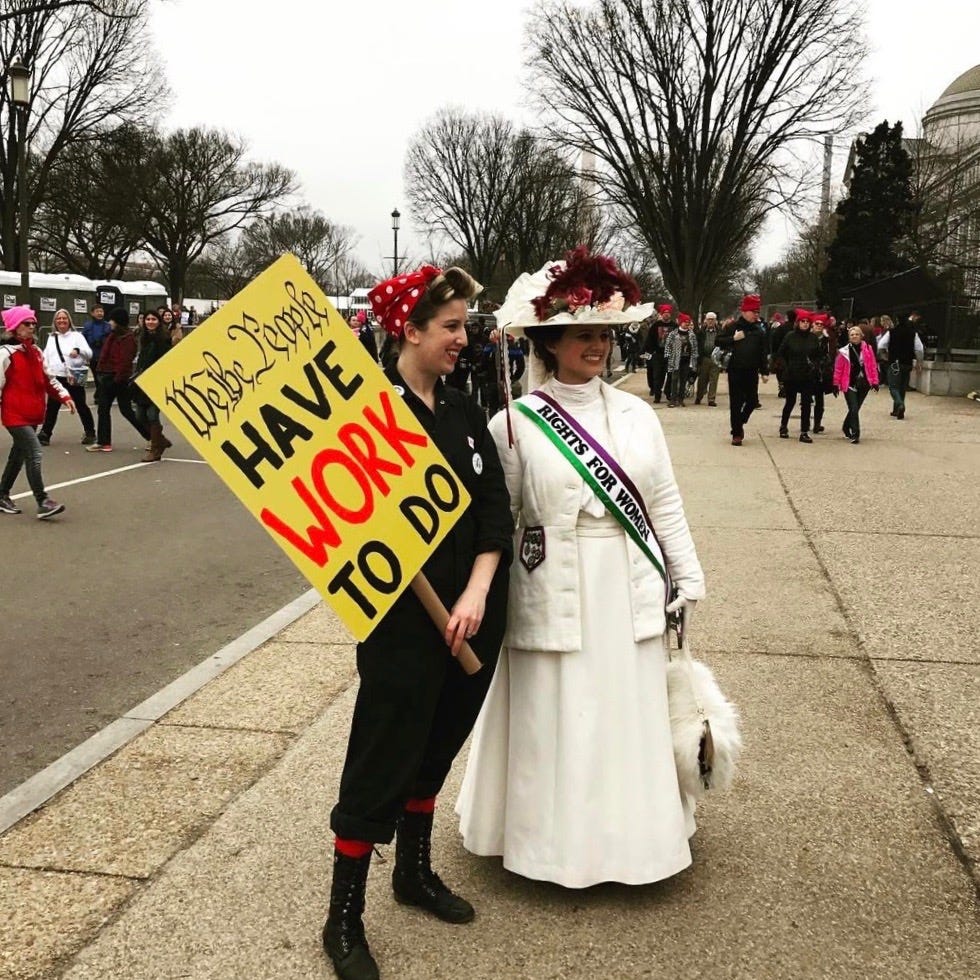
(951, 133)
(946, 177)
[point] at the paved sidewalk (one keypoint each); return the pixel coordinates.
(842, 617)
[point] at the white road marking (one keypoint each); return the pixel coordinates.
(99, 476)
(85, 479)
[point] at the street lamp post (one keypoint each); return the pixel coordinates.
(395, 223)
(336, 286)
(20, 96)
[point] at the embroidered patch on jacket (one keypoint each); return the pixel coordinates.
(532, 547)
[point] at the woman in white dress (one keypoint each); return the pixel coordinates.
(571, 774)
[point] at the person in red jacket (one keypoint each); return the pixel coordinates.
(114, 371)
(24, 388)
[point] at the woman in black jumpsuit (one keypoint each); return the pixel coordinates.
(416, 706)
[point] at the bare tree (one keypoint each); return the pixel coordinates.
(795, 276)
(196, 187)
(88, 221)
(312, 237)
(18, 8)
(552, 209)
(458, 174)
(945, 228)
(636, 260)
(351, 273)
(219, 273)
(90, 71)
(693, 109)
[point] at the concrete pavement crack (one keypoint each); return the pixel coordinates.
(922, 768)
(54, 869)
(241, 729)
(839, 656)
(835, 530)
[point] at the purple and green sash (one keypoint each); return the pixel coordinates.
(600, 471)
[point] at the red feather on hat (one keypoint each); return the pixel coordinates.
(586, 280)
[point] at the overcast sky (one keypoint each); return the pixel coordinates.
(335, 90)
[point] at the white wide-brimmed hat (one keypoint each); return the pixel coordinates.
(579, 289)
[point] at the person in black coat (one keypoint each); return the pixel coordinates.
(900, 348)
(655, 348)
(781, 326)
(799, 353)
(154, 343)
(416, 705)
(826, 336)
(748, 343)
(362, 329)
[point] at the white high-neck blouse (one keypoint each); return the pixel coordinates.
(586, 405)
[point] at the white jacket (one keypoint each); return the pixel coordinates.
(544, 605)
(69, 341)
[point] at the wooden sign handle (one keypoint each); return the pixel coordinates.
(437, 612)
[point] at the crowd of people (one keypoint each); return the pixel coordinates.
(570, 776)
(36, 383)
(483, 370)
(563, 575)
(811, 354)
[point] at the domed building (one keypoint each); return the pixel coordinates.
(954, 118)
(946, 177)
(951, 128)
(950, 168)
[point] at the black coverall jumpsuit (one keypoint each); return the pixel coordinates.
(416, 705)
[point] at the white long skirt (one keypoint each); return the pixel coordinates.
(571, 774)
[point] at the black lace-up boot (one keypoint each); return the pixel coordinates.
(343, 932)
(414, 881)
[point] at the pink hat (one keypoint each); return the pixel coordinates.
(751, 303)
(16, 315)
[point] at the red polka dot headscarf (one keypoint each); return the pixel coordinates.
(394, 299)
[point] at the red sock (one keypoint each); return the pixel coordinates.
(352, 848)
(415, 805)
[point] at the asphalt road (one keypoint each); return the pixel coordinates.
(146, 574)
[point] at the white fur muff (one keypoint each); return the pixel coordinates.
(689, 682)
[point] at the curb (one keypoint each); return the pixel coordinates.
(36, 791)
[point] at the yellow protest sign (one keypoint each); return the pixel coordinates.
(279, 396)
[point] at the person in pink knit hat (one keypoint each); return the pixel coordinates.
(24, 388)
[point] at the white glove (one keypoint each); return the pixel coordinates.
(686, 608)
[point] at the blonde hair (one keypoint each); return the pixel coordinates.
(886, 321)
(71, 322)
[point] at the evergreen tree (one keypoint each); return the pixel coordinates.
(874, 219)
